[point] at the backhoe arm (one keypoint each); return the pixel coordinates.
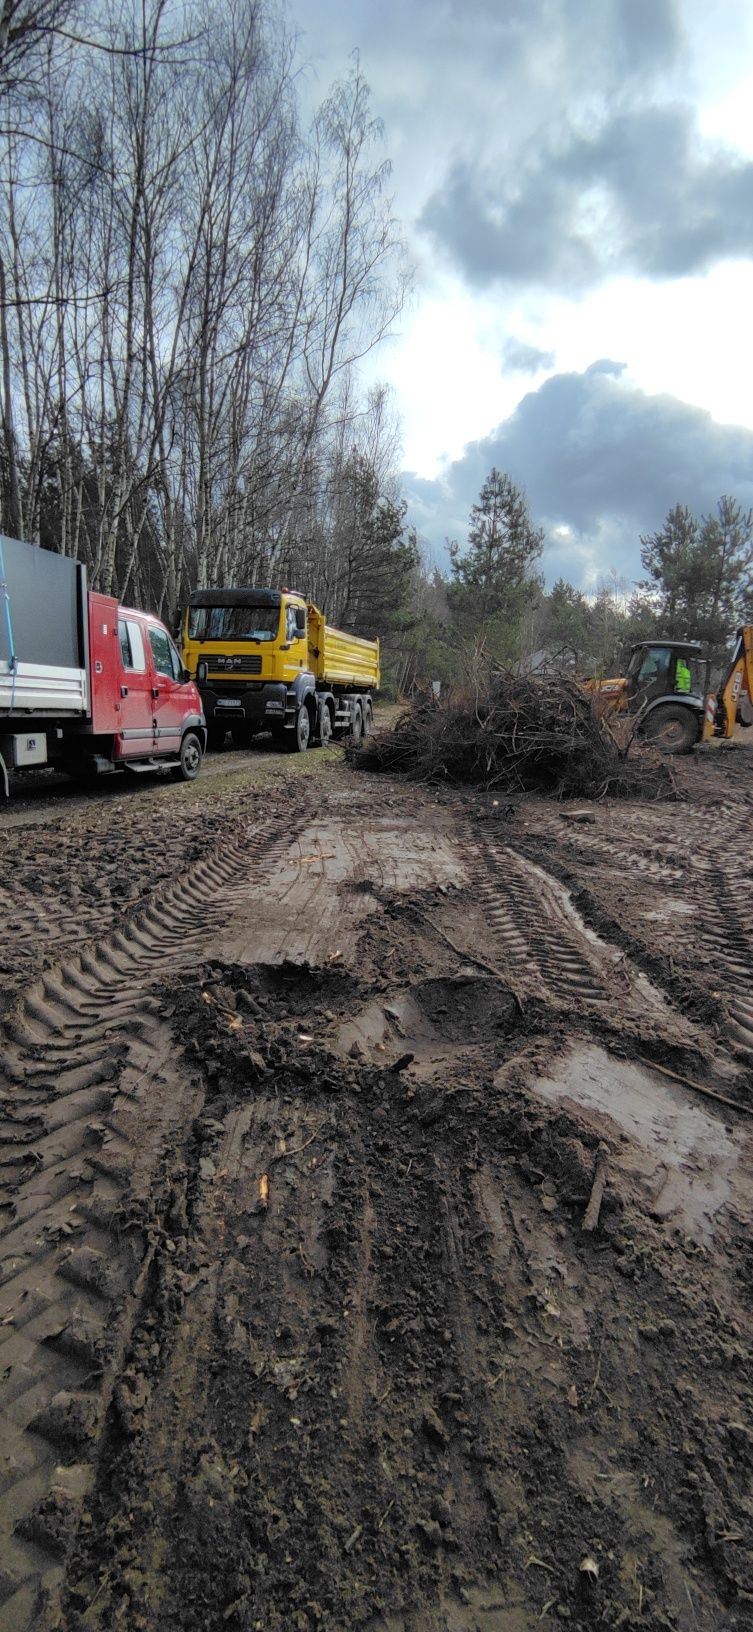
(721, 721)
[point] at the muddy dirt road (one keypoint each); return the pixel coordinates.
(366, 1263)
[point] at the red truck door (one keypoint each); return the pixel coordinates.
(168, 690)
(136, 702)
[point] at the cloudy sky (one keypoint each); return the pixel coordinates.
(575, 178)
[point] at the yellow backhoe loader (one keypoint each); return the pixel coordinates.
(665, 690)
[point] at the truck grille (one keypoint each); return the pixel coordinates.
(217, 663)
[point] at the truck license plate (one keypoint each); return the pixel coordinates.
(228, 702)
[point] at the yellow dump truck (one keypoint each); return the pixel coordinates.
(265, 660)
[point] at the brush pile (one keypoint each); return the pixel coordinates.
(523, 734)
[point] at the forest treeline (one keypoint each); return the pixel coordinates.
(191, 269)
(194, 263)
(491, 606)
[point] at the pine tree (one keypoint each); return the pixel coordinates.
(673, 558)
(494, 579)
(701, 573)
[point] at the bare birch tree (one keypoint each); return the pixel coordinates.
(188, 281)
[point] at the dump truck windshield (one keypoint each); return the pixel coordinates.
(233, 622)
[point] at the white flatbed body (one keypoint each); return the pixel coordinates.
(42, 690)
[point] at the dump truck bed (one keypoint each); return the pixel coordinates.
(339, 659)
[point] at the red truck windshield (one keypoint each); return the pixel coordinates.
(233, 622)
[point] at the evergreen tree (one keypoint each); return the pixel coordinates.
(701, 573)
(728, 544)
(565, 624)
(493, 581)
(674, 559)
(376, 555)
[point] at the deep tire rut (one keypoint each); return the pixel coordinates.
(89, 1102)
(702, 871)
(549, 950)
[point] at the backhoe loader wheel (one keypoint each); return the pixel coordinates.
(672, 728)
(299, 738)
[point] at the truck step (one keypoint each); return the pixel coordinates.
(152, 764)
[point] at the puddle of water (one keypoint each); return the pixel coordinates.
(684, 1156)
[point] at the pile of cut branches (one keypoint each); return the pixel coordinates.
(521, 734)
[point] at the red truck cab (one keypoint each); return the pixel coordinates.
(86, 685)
(144, 708)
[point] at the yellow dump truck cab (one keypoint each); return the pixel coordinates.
(266, 660)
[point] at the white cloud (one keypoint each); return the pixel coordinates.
(583, 96)
(601, 462)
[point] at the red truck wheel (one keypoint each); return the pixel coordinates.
(190, 759)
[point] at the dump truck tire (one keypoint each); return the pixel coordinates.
(299, 738)
(325, 727)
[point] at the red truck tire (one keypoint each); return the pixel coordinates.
(191, 754)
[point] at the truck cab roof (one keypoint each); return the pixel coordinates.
(235, 597)
(664, 645)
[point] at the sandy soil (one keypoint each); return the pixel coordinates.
(376, 1208)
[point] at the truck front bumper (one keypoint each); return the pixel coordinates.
(261, 706)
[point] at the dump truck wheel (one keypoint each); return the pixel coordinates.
(356, 724)
(672, 729)
(299, 738)
(190, 759)
(325, 727)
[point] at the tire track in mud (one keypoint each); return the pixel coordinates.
(722, 929)
(371, 1334)
(708, 888)
(380, 1387)
(60, 889)
(529, 916)
(548, 946)
(89, 1102)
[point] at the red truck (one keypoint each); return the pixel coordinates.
(87, 686)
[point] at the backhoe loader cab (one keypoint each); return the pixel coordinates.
(665, 686)
(664, 668)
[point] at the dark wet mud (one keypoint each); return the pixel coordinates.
(369, 1260)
